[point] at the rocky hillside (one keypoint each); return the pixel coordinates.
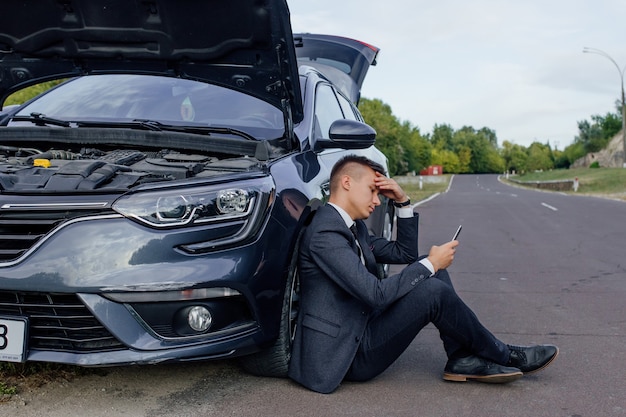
(610, 157)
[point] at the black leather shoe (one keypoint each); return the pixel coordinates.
(531, 359)
(474, 368)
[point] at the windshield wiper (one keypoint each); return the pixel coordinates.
(158, 126)
(41, 119)
(205, 130)
(149, 124)
(228, 130)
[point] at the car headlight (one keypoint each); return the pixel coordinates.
(197, 205)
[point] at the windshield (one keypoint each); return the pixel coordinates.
(122, 98)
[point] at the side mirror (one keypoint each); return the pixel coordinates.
(347, 134)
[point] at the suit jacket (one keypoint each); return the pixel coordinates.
(339, 294)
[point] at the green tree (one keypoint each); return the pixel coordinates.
(590, 136)
(448, 160)
(595, 135)
(493, 162)
(379, 116)
(465, 159)
(570, 154)
(442, 137)
(610, 124)
(406, 149)
(484, 157)
(466, 150)
(416, 150)
(490, 135)
(539, 157)
(514, 156)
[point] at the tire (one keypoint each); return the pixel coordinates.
(274, 361)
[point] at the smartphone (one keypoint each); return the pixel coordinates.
(456, 234)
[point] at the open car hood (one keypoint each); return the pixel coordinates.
(245, 45)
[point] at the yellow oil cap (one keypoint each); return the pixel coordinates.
(44, 163)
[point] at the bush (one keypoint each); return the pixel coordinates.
(595, 164)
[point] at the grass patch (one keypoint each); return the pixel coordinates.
(597, 181)
(7, 389)
(17, 377)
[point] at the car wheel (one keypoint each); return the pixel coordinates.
(274, 361)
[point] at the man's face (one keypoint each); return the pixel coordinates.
(363, 194)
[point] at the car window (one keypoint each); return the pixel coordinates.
(348, 111)
(327, 110)
(118, 97)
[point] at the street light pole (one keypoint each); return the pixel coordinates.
(621, 75)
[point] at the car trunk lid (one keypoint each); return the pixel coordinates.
(343, 61)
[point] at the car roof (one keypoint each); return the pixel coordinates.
(246, 45)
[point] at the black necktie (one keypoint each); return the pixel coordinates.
(358, 245)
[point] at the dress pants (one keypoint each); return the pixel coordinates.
(390, 331)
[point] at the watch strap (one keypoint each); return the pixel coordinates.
(404, 204)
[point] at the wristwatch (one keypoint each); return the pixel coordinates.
(406, 203)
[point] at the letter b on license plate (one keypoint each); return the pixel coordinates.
(13, 339)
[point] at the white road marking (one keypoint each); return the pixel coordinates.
(550, 207)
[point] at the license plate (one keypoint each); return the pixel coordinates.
(13, 333)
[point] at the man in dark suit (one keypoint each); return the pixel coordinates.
(353, 325)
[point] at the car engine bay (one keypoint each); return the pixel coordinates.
(31, 170)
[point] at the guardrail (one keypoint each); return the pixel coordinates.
(555, 185)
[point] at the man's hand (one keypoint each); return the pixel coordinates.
(442, 256)
(390, 188)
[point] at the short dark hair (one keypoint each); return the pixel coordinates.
(353, 159)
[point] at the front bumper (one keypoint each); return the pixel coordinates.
(133, 343)
(90, 260)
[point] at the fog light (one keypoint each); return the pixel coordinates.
(199, 318)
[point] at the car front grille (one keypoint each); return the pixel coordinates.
(58, 322)
(22, 228)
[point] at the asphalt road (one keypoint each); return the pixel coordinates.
(536, 267)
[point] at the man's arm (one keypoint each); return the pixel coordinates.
(403, 250)
(439, 257)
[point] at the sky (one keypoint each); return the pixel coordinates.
(515, 67)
